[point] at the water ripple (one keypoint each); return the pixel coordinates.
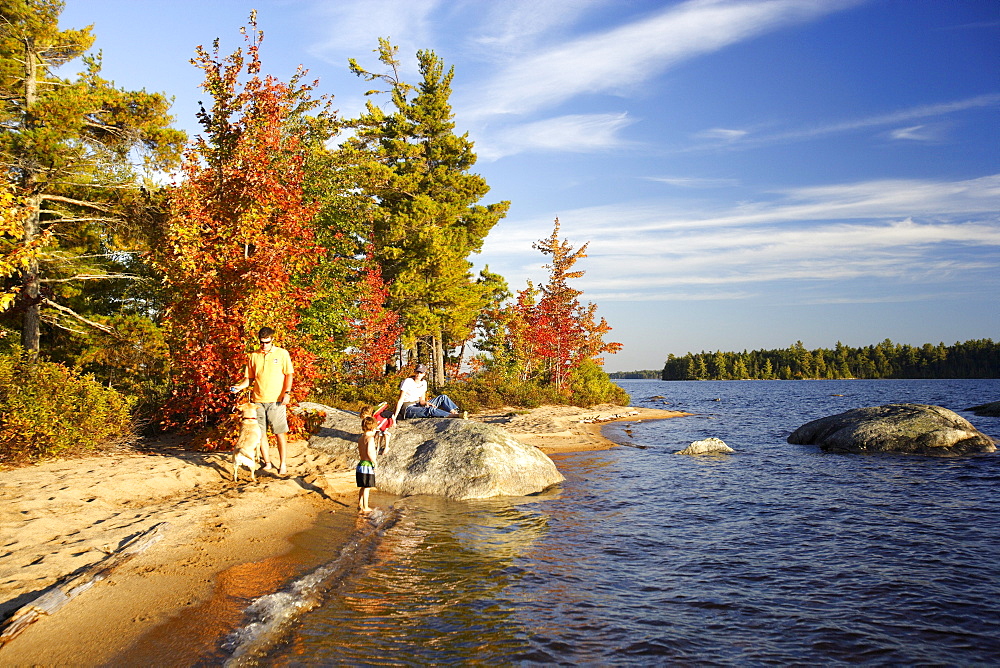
(778, 554)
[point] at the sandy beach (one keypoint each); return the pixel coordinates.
(224, 543)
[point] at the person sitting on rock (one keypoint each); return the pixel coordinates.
(413, 402)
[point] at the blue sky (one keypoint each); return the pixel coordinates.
(747, 173)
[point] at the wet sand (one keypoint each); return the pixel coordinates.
(226, 542)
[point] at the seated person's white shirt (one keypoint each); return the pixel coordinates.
(412, 390)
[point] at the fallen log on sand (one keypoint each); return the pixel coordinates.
(71, 586)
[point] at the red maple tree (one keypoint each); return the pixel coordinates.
(377, 327)
(549, 330)
(239, 239)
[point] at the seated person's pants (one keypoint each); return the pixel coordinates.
(438, 407)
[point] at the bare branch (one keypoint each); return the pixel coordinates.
(114, 129)
(64, 219)
(54, 257)
(55, 322)
(74, 314)
(91, 277)
(77, 202)
(125, 185)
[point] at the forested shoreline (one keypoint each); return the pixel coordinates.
(976, 358)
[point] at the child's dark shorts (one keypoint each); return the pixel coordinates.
(365, 474)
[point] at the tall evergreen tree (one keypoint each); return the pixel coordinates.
(69, 146)
(427, 220)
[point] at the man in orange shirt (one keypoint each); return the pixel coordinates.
(269, 370)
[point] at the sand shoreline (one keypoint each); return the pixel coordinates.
(226, 544)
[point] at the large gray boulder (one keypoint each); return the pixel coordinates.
(991, 409)
(903, 428)
(462, 459)
(458, 459)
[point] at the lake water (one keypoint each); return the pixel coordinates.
(778, 554)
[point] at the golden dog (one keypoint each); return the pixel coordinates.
(247, 450)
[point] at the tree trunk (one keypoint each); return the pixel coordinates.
(461, 356)
(30, 287)
(438, 360)
(31, 321)
(422, 353)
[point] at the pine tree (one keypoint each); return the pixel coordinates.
(720, 366)
(740, 369)
(426, 220)
(68, 145)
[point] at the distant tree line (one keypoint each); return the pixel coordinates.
(977, 358)
(646, 374)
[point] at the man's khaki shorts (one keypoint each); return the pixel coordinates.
(272, 415)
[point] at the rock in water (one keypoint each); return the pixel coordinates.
(904, 428)
(462, 459)
(705, 447)
(991, 409)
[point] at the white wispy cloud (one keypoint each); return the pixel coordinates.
(513, 26)
(748, 139)
(902, 231)
(921, 133)
(887, 299)
(722, 134)
(889, 199)
(693, 182)
(901, 251)
(576, 133)
(353, 28)
(902, 116)
(619, 58)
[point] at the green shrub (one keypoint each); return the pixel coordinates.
(136, 363)
(590, 385)
(354, 397)
(47, 410)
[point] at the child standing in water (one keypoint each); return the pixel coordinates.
(367, 453)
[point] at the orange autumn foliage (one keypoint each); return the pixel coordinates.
(550, 330)
(240, 236)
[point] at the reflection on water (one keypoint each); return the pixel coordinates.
(435, 591)
(270, 617)
(775, 554)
